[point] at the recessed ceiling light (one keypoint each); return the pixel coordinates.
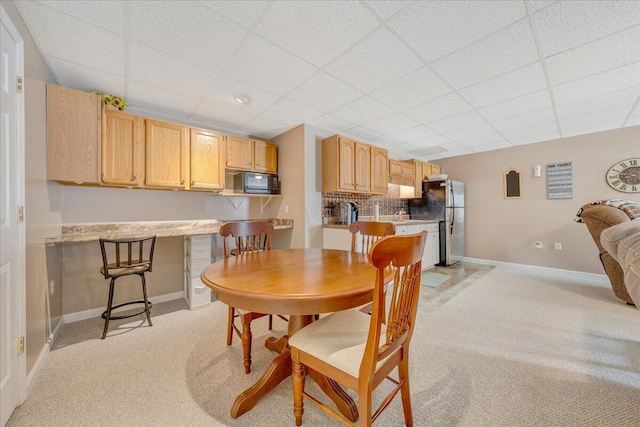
(242, 99)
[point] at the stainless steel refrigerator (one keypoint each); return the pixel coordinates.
(443, 201)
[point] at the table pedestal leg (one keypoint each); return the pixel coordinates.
(277, 345)
(279, 369)
(343, 401)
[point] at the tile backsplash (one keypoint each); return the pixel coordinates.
(390, 203)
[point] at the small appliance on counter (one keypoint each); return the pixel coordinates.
(348, 212)
(256, 183)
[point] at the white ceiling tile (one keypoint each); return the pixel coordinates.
(106, 14)
(317, 31)
(453, 153)
(614, 114)
(324, 92)
(472, 132)
(633, 119)
(220, 117)
(598, 84)
(599, 103)
(540, 4)
(79, 77)
(514, 107)
(188, 30)
(490, 147)
(507, 86)
(431, 157)
(593, 128)
(385, 141)
(393, 123)
(387, 9)
(254, 64)
(451, 146)
(502, 51)
(483, 140)
(62, 36)
(362, 134)
(224, 89)
(290, 113)
(158, 69)
(611, 52)
(525, 120)
(440, 108)
(459, 122)
(535, 138)
(423, 151)
(568, 24)
(263, 128)
(243, 12)
(333, 123)
(404, 147)
(414, 133)
(362, 110)
(379, 59)
(433, 28)
(531, 130)
(431, 141)
(413, 89)
(153, 98)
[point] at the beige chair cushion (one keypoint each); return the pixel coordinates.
(612, 236)
(632, 280)
(338, 339)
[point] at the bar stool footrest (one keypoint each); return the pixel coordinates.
(104, 314)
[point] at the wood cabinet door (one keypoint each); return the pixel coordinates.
(408, 170)
(346, 164)
(167, 152)
(265, 157)
(122, 149)
(207, 154)
(426, 171)
(435, 169)
(363, 167)
(73, 134)
(379, 170)
(239, 153)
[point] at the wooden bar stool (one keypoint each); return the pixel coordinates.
(132, 256)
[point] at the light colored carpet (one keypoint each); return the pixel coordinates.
(433, 280)
(515, 348)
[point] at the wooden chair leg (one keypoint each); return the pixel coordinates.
(109, 304)
(246, 342)
(297, 377)
(364, 405)
(403, 374)
(270, 322)
(230, 325)
(146, 301)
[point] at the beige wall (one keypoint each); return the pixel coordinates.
(42, 201)
(505, 230)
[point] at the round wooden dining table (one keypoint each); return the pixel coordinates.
(299, 283)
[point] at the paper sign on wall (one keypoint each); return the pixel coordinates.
(560, 181)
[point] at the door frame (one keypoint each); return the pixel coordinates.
(20, 284)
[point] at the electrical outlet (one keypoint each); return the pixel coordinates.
(538, 244)
(557, 246)
(52, 287)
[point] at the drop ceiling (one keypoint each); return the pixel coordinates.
(425, 79)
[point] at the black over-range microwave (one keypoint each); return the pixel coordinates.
(256, 183)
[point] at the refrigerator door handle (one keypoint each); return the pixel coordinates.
(453, 211)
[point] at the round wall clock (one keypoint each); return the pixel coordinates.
(625, 176)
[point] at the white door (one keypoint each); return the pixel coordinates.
(11, 228)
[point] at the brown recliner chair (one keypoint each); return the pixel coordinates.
(598, 218)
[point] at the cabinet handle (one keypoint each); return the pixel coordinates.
(193, 183)
(135, 177)
(182, 182)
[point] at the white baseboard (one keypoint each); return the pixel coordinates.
(567, 273)
(35, 371)
(96, 312)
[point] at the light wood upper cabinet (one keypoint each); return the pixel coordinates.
(207, 160)
(426, 171)
(73, 132)
(122, 149)
(265, 157)
(167, 154)
(240, 153)
(363, 167)
(401, 173)
(379, 170)
(435, 169)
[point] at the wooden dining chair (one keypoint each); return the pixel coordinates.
(249, 236)
(365, 233)
(358, 351)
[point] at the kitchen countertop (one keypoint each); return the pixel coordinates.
(89, 232)
(388, 219)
